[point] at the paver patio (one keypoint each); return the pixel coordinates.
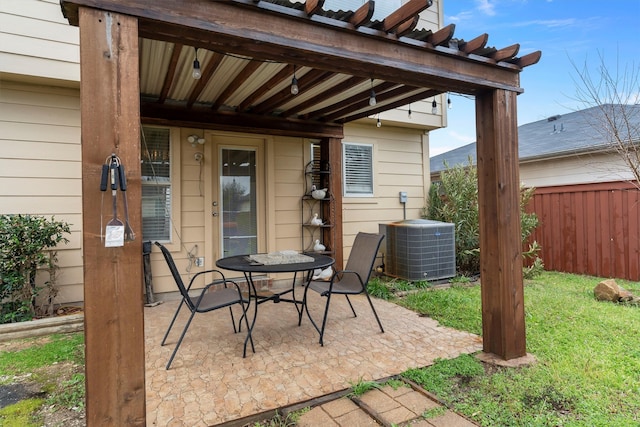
(210, 383)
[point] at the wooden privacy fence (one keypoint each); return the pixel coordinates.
(589, 229)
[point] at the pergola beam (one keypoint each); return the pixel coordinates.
(284, 38)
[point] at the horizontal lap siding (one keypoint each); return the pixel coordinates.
(40, 168)
(589, 229)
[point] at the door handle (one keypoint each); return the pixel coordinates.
(214, 213)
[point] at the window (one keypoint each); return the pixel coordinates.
(156, 184)
(358, 170)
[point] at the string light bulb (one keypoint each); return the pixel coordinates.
(378, 123)
(434, 107)
(449, 102)
(372, 96)
(197, 73)
(409, 112)
(294, 83)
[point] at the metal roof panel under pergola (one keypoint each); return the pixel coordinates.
(249, 50)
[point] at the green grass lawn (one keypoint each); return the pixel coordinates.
(588, 352)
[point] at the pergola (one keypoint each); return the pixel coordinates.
(249, 51)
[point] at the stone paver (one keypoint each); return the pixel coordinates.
(211, 379)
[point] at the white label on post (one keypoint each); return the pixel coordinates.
(114, 236)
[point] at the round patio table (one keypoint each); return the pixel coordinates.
(250, 264)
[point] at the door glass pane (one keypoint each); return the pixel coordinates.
(238, 189)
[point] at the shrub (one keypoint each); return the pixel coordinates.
(24, 240)
(454, 199)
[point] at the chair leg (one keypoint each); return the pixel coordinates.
(352, 310)
(233, 321)
(175, 316)
(184, 331)
(324, 319)
(374, 311)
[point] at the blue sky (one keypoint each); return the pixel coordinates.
(564, 30)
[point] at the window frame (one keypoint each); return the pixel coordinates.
(345, 189)
(173, 244)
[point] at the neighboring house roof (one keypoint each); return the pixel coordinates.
(556, 136)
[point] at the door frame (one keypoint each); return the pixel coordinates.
(214, 142)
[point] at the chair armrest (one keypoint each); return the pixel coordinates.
(343, 272)
(204, 272)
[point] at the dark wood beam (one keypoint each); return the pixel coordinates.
(506, 53)
(311, 7)
(171, 72)
(207, 72)
(529, 59)
(243, 76)
(274, 81)
(404, 13)
(474, 45)
(162, 114)
(503, 323)
(330, 93)
(113, 315)
(407, 27)
(400, 103)
(306, 81)
(442, 36)
(380, 97)
(349, 101)
(215, 26)
(363, 14)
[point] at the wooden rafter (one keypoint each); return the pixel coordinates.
(529, 59)
(474, 45)
(323, 96)
(407, 26)
(363, 14)
(381, 98)
(284, 73)
(237, 82)
(312, 7)
(349, 101)
(400, 103)
(442, 36)
(506, 53)
(310, 79)
(171, 72)
(207, 71)
(404, 13)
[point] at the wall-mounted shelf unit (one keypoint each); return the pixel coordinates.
(317, 176)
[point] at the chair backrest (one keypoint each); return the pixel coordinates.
(363, 254)
(174, 272)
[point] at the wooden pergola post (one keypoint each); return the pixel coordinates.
(114, 330)
(503, 325)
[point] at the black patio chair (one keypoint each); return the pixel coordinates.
(350, 281)
(213, 296)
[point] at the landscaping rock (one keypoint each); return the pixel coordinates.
(607, 290)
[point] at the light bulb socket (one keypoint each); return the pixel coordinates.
(196, 69)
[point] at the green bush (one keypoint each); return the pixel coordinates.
(25, 243)
(454, 199)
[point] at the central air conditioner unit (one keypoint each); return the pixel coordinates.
(419, 249)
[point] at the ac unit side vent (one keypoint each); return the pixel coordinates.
(419, 249)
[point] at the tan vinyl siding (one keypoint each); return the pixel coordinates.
(36, 41)
(40, 168)
(583, 169)
(397, 163)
